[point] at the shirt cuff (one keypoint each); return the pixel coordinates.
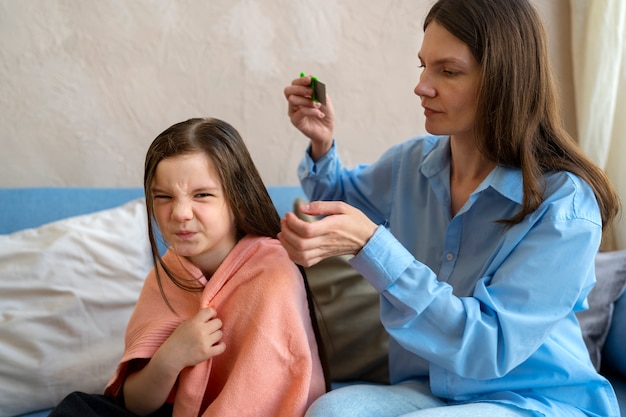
(309, 167)
(382, 260)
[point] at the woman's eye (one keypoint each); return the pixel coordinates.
(161, 197)
(203, 195)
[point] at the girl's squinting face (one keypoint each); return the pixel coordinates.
(448, 85)
(192, 212)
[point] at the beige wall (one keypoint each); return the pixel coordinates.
(86, 85)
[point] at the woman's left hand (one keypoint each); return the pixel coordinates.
(344, 230)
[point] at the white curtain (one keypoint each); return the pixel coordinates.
(599, 59)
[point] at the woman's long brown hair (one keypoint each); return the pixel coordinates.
(518, 123)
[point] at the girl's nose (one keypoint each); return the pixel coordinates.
(182, 211)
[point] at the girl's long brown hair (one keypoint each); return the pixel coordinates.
(518, 123)
(247, 196)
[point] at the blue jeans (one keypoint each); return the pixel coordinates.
(408, 399)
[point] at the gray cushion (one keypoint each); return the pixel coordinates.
(596, 321)
(348, 312)
(613, 353)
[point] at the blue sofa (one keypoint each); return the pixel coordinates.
(30, 208)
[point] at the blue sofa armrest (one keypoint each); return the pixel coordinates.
(23, 208)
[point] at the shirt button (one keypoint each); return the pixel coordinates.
(449, 256)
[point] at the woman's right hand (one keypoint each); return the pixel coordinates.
(343, 230)
(315, 120)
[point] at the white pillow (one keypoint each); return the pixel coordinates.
(67, 290)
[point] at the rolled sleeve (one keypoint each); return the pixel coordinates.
(382, 260)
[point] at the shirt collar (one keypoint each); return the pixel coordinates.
(505, 180)
(508, 182)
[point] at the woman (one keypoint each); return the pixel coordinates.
(480, 238)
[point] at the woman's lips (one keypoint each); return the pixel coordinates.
(428, 112)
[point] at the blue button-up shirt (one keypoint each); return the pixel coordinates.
(486, 310)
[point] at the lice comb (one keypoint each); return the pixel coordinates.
(319, 89)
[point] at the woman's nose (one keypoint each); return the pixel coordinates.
(423, 87)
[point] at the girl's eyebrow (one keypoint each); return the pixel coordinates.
(201, 189)
(205, 189)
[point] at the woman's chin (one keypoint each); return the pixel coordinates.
(434, 130)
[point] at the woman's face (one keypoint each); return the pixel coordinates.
(448, 85)
(191, 210)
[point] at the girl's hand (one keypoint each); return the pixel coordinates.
(314, 120)
(195, 340)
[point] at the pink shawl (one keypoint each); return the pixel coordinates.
(271, 365)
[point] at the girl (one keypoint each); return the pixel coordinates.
(222, 326)
(480, 239)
